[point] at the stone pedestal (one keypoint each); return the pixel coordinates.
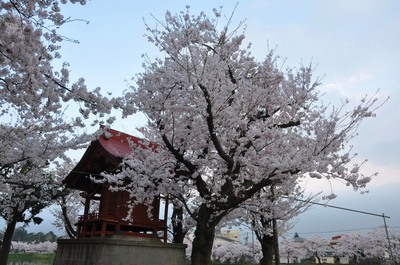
(119, 250)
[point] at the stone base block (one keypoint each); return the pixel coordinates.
(119, 250)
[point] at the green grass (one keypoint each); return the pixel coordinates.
(256, 263)
(226, 263)
(32, 257)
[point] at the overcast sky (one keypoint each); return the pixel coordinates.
(354, 45)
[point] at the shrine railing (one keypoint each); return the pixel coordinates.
(96, 216)
(101, 225)
(101, 216)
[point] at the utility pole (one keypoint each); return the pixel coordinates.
(388, 238)
(252, 241)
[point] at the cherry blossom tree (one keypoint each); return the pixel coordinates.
(270, 213)
(42, 247)
(67, 207)
(66, 211)
(230, 252)
(374, 244)
(378, 244)
(45, 247)
(20, 246)
(21, 201)
(316, 246)
(34, 130)
(289, 249)
(225, 125)
(352, 245)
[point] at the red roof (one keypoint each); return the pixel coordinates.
(104, 154)
(117, 143)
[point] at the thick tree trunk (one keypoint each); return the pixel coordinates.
(5, 247)
(267, 247)
(203, 238)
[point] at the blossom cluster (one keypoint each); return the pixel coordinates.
(352, 245)
(375, 243)
(43, 247)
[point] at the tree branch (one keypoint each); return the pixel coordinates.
(211, 130)
(68, 226)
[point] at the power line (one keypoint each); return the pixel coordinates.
(340, 208)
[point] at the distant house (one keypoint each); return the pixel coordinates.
(299, 240)
(220, 240)
(328, 256)
(231, 234)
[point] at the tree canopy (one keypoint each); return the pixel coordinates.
(35, 132)
(227, 125)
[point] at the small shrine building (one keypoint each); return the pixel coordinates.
(105, 154)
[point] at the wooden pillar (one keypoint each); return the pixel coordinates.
(93, 229)
(84, 230)
(118, 206)
(105, 200)
(103, 228)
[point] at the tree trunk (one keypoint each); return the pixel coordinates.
(267, 247)
(266, 241)
(67, 222)
(203, 237)
(276, 242)
(177, 227)
(318, 258)
(5, 247)
(355, 259)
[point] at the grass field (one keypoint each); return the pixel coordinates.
(31, 257)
